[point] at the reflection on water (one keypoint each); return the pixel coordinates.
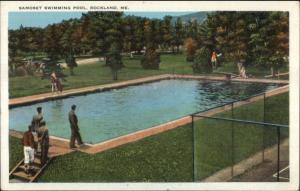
(114, 113)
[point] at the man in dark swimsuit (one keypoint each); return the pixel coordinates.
(74, 128)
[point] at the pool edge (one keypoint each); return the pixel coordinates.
(135, 136)
(21, 101)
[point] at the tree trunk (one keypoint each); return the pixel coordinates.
(115, 74)
(272, 72)
(242, 70)
(71, 71)
(105, 60)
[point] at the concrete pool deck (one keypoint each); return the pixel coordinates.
(60, 146)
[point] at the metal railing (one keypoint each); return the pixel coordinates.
(267, 134)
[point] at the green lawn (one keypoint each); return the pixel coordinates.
(214, 137)
(97, 74)
(167, 157)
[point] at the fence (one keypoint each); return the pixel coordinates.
(228, 144)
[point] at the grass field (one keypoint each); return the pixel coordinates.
(167, 157)
(214, 137)
(97, 74)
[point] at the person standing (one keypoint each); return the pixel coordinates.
(36, 119)
(28, 147)
(75, 135)
(43, 141)
(59, 85)
(214, 59)
(53, 81)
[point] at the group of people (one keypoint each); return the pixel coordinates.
(56, 85)
(36, 139)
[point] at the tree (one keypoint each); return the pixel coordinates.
(167, 31)
(191, 29)
(201, 62)
(97, 23)
(278, 40)
(51, 41)
(269, 40)
(228, 33)
(151, 59)
(114, 41)
(114, 59)
(70, 42)
(13, 48)
(178, 34)
(139, 35)
(191, 46)
(71, 63)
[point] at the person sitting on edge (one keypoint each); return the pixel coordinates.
(75, 135)
(28, 147)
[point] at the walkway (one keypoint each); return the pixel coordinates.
(267, 171)
(253, 169)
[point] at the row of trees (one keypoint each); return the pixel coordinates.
(245, 38)
(103, 34)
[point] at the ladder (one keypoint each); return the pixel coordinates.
(18, 171)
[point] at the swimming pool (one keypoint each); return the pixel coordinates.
(106, 115)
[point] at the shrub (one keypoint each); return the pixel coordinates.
(202, 61)
(21, 71)
(190, 45)
(151, 59)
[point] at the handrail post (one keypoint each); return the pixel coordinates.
(194, 163)
(264, 131)
(278, 152)
(232, 140)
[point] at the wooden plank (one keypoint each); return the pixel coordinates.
(16, 167)
(22, 175)
(41, 170)
(37, 161)
(22, 167)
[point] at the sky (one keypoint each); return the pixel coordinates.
(42, 19)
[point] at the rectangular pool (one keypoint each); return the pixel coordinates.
(106, 115)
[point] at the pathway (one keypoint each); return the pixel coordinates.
(84, 61)
(267, 171)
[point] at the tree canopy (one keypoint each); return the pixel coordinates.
(245, 38)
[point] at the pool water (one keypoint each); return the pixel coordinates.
(106, 115)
